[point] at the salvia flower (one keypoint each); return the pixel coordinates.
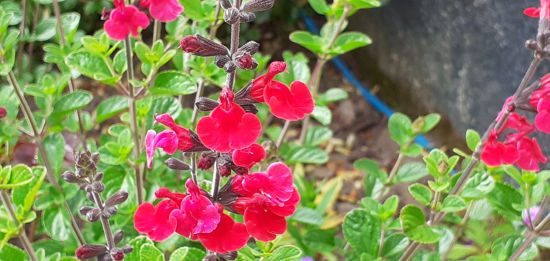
(124, 20)
(533, 212)
(266, 199)
(176, 138)
(285, 103)
(250, 156)
(543, 11)
(163, 10)
(228, 235)
(228, 127)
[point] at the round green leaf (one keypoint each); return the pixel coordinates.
(54, 144)
(15, 177)
(24, 196)
(285, 253)
(362, 231)
(479, 185)
(371, 168)
(453, 203)
(413, 223)
(348, 41)
(111, 107)
(400, 127)
(410, 172)
(71, 102)
(394, 244)
(187, 254)
(305, 154)
(57, 223)
(421, 193)
(316, 135)
(322, 114)
(92, 65)
(45, 30)
(173, 83)
(308, 40)
(14, 9)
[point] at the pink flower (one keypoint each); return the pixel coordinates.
(124, 20)
(163, 10)
(543, 11)
(248, 157)
(196, 214)
(533, 213)
(177, 138)
(228, 127)
(530, 154)
(267, 198)
(228, 235)
(289, 104)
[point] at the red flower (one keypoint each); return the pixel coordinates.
(542, 120)
(530, 154)
(124, 20)
(289, 104)
(228, 235)
(177, 138)
(543, 11)
(157, 222)
(248, 157)
(196, 214)
(163, 10)
(228, 127)
(266, 199)
(497, 153)
(3, 112)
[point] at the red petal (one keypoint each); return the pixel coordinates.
(249, 156)
(228, 236)
(262, 82)
(165, 10)
(157, 221)
(288, 104)
(184, 138)
(263, 225)
(532, 12)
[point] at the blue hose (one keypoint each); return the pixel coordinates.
(373, 100)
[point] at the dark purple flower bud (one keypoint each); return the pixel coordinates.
(224, 170)
(251, 47)
(95, 157)
(89, 251)
(98, 187)
(206, 160)
(221, 60)
(70, 177)
(240, 170)
(225, 4)
(93, 215)
(245, 62)
(229, 255)
(251, 108)
(3, 112)
(99, 177)
(105, 13)
(117, 254)
(89, 195)
(190, 44)
(206, 104)
(127, 249)
(231, 15)
(211, 257)
(247, 17)
(84, 210)
(176, 164)
(117, 198)
(83, 186)
(258, 5)
(109, 211)
(119, 235)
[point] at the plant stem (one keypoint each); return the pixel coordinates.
(216, 181)
(133, 118)
(496, 124)
(200, 87)
(13, 215)
(104, 221)
(194, 168)
(392, 175)
(382, 234)
(31, 45)
(235, 30)
(282, 135)
(156, 30)
(21, 35)
(313, 84)
(45, 158)
(459, 230)
(409, 252)
(71, 84)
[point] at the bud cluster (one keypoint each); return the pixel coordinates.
(89, 180)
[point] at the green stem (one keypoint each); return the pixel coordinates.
(392, 175)
(22, 236)
(45, 158)
(459, 230)
(133, 119)
(156, 30)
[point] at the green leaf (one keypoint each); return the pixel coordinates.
(362, 231)
(285, 253)
(360, 4)
(14, 9)
(24, 196)
(348, 41)
(332, 95)
(400, 128)
(320, 6)
(322, 114)
(9, 60)
(413, 150)
(429, 122)
(507, 200)
(472, 139)
(70, 23)
(148, 252)
(45, 30)
(57, 223)
(162, 105)
(308, 216)
(54, 144)
(136, 243)
(389, 207)
(479, 185)
(15, 177)
(173, 83)
(394, 244)
(10, 252)
(304, 154)
(414, 226)
(92, 65)
(71, 102)
(119, 62)
(187, 254)
(111, 107)
(308, 40)
(410, 172)
(316, 135)
(421, 193)
(371, 168)
(453, 203)
(504, 247)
